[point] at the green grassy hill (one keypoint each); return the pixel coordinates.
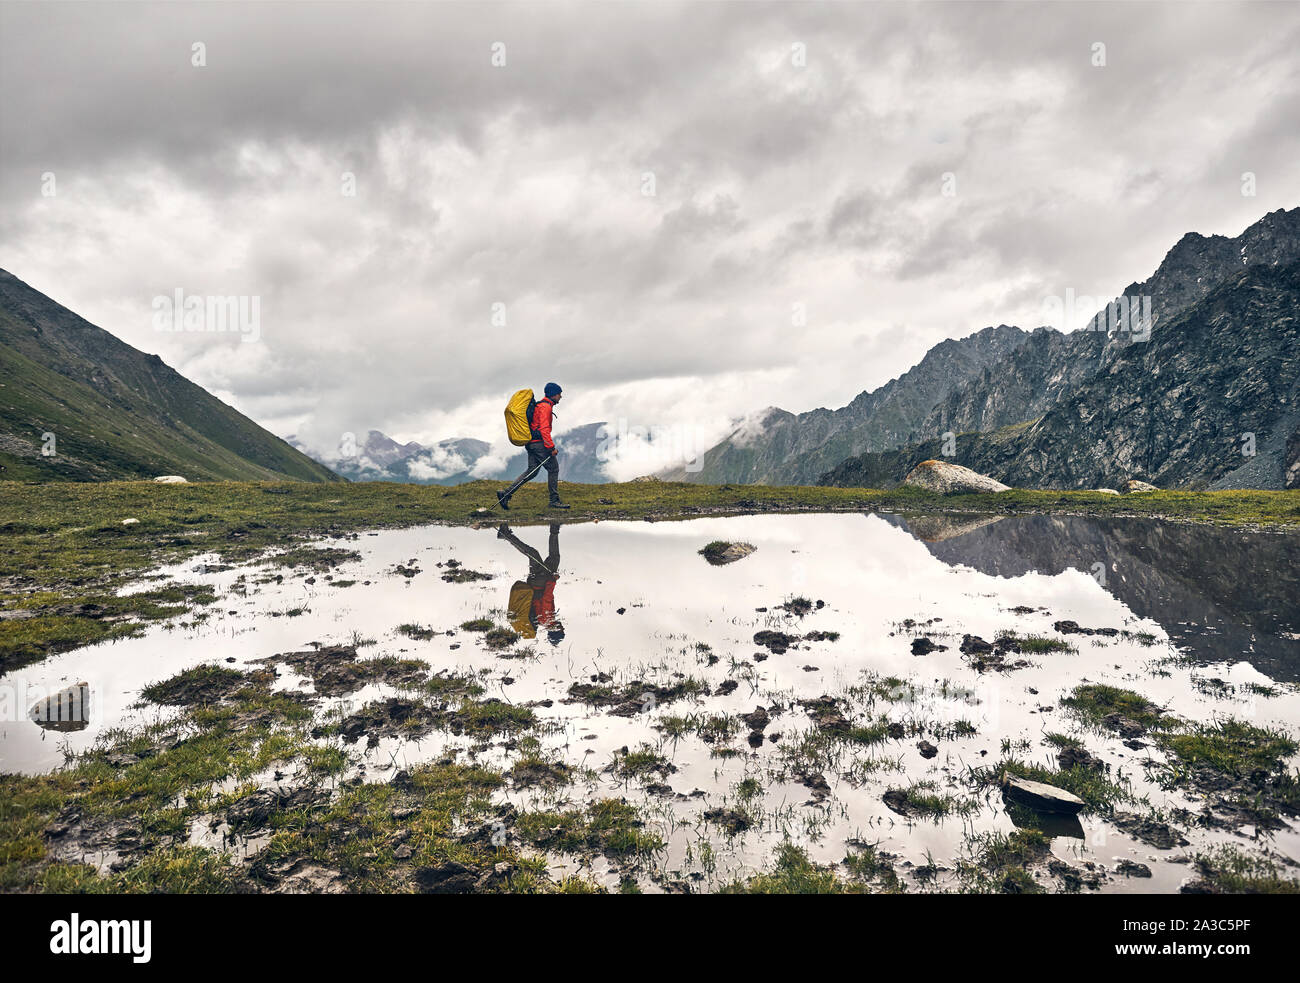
(116, 412)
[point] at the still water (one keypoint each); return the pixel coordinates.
(1206, 624)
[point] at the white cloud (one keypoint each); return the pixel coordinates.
(774, 185)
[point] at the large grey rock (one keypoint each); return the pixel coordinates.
(66, 710)
(951, 479)
(1138, 486)
(1037, 795)
(723, 553)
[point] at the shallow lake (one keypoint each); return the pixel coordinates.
(1204, 622)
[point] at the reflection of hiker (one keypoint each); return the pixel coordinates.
(542, 451)
(532, 601)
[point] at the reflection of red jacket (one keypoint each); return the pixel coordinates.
(542, 422)
(544, 603)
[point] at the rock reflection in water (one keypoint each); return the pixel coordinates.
(66, 710)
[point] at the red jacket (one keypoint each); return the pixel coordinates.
(542, 423)
(544, 604)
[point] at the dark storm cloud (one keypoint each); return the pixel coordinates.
(519, 192)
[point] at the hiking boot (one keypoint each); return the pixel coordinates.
(557, 504)
(503, 500)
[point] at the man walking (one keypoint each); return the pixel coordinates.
(532, 601)
(541, 449)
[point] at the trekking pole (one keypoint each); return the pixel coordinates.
(528, 475)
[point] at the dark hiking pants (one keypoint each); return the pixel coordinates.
(537, 451)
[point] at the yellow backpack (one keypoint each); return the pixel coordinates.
(519, 417)
(520, 607)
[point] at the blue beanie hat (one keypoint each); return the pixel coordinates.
(553, 389)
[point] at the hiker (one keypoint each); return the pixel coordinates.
(541, 448)
(532, 601)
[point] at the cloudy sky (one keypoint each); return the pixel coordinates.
(682, 212)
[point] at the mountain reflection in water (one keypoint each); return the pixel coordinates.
(1221, 594)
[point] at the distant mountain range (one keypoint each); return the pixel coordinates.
(777, 447)
(113, 412)
(1211, 401)
(1206, 394)
(1173, 403)
(378, 457)
(1084, 410)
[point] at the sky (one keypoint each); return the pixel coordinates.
(682, 213)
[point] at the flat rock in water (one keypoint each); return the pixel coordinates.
(728, 554)
(951, 479)
(1037, 795)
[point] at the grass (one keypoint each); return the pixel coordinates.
(1230, 747)
(53, 621)
(1228, 870)
(500, 638)
(792, 872)
(1035, 644)
(419, 633)
(154, 782)
(925, 799)
(643, 762)
(1000, 862)
(1093, 702)
(608, 826)
(1099, 791)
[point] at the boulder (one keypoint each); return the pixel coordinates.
(951, 479)
(719, 553)
(1106, 491)
(170, 479)
(68, 709)
(1037, 795)
(1138, 486)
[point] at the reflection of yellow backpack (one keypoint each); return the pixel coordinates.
(519, 417)
(520, 608)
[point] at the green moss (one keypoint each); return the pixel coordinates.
(1230, 747)
(1092, 702)
(1035, 644)
(605, 826)
(494, 716)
